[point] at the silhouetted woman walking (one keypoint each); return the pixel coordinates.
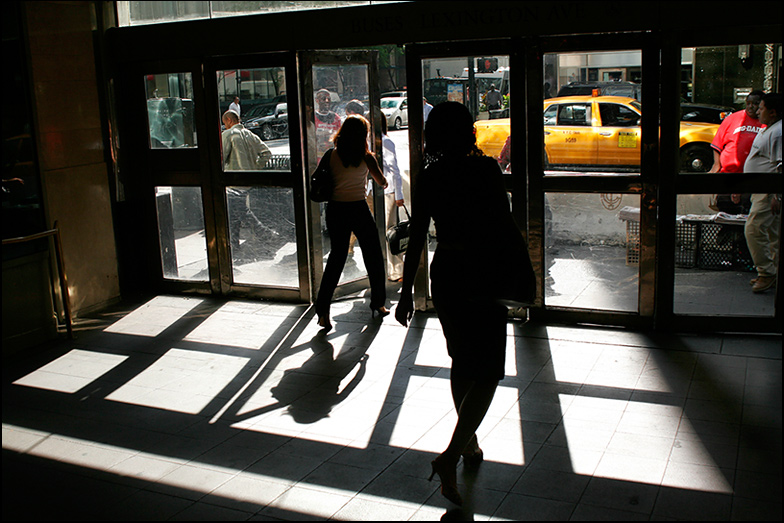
(462, 190)
(347, 212)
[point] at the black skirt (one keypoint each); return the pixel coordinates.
(474, 328)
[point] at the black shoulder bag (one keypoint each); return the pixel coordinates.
(321, 182)
(397, 235)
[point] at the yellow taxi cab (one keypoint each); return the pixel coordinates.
(598, 132)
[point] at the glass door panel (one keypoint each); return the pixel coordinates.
(258, 197)
(340, 90)
(170, 111)
(592, 246)
(181, 236)
(481, 83)
(337, 84)
(259, 98)
(592, 112)
(715, 267)
(262, 236)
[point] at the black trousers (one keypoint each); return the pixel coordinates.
(343, 218)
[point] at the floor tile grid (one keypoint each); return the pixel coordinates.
(584, 390)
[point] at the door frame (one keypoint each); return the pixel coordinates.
(516, 182)
(527, 183)
(674, 183)
(293, 179)
(307, 60)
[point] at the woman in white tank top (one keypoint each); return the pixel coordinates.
(347, 212)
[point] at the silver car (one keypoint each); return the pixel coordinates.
(396, 112)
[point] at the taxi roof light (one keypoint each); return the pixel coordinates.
(595, 92)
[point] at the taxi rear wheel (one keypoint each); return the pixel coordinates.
(696, 158)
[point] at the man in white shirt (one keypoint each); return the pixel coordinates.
(235, 105)
(762, 227)
(426, 108)
(393, 199)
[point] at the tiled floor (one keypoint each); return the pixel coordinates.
(189, 408)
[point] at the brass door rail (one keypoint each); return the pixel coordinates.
(65, 295)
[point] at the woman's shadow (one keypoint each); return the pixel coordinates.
(310, 391)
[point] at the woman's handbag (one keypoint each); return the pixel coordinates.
(321, 182)
(510, 278)
(397, 235)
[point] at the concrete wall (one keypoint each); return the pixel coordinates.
(592, 219)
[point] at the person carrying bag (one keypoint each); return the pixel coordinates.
(397, 235)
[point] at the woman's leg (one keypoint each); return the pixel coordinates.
(339, 236)
(365, 229)
(472, 400)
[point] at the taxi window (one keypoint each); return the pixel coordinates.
(550, 115)
(617, 115)
(574, 114)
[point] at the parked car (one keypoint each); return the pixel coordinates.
(599, 132)
(707, 113)
(270, 122)
(628, 89)
(396, 112)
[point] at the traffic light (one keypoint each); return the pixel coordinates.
(486, 65)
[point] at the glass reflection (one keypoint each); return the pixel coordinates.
(181, 233)
(592, 251)
(713, 265)
(262, 236)
(170, 111)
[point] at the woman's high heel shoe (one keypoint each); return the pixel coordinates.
(472, 455)
(323, 322)
(447, 471)
(382, 311)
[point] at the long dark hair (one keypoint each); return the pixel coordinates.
(351, 140)
(449, 131)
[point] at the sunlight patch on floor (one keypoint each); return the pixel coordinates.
(155, 316)
(181, 380)
(72, 371)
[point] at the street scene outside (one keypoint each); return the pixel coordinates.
(590, 239)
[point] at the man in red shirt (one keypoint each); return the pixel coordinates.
(733, 140)
(327, 121)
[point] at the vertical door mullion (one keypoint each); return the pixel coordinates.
(650, 174)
